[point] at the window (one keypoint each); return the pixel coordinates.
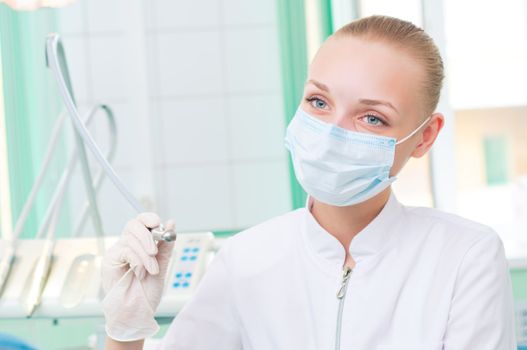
(486, 69)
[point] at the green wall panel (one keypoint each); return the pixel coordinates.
(31, 107)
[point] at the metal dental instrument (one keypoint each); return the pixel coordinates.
(8, 256)
(56, 61)
(85, 267)
(99, 178)
(67, 88)
(37, 279)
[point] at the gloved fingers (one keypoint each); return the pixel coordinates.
(112, 268)
(150, 220)
(170, 225)
(137, 229)
(146, 260)
(165, 248)
(164, 255)
(130, 257)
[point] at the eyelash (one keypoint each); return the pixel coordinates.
(315, 98)
(367, 115)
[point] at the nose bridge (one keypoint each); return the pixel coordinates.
(341, 119)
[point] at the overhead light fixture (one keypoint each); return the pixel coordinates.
(27, 5)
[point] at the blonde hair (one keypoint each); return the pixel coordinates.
(409, 38)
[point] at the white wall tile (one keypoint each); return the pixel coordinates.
(72, 19)
(261, 192)
(199, 197)
(251, 57)
(153, 70)
(149, 14)
(75, 49)
(158, 141)
(109, 68)
(170, 14)
(107, 15)
(257, 126)
(129, 135)
(197, 73)
(193, 130)
(189, 63)
(115, 210)
(75, 197)
(161, 198)
(243, 12)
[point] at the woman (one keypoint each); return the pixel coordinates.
(355, 269)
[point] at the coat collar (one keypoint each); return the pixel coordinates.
(327, 250)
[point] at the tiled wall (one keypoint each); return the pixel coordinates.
(196, 89)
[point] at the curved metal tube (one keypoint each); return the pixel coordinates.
(9, 254)
(22, 218)
(36, 281)
(68, 172)
(99, 178)
(56, 61)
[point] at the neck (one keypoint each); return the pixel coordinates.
(346, 222)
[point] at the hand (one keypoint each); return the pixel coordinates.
(133, 275)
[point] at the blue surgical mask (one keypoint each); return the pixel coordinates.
(337, 166)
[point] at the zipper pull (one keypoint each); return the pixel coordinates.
(345, 277)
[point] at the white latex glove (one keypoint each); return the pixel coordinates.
(133, 275)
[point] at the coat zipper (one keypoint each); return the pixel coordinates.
(341, 296)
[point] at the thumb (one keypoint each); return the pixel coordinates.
(170, 225)
(165, 248)
(163, 256)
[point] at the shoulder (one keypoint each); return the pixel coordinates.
(266, 243)
(453, 230)
(448, 221)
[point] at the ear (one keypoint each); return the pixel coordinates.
(429, 135)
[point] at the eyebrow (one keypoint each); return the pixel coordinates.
(365, 101)
(377, 102)
(318, 84)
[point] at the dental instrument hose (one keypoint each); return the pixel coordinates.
(54, 49)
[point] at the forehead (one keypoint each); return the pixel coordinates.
(355, 68)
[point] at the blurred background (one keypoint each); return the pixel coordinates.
(202, 92)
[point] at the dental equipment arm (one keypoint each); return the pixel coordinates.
(99, 178)
(36, 281)
(66, 89)
(8, 256)
(56, 61)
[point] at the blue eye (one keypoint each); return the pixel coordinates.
(317, 102)
(373, 120)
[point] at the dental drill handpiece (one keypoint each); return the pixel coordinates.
(161, 234)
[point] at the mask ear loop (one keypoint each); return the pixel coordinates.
(415, 131)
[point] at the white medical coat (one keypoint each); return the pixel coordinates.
(423, 280)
